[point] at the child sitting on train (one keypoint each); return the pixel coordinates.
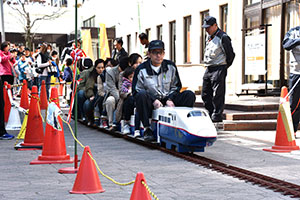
(126, 105)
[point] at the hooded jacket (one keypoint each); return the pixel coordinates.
(163, 85)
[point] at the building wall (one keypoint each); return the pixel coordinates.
(158, 12)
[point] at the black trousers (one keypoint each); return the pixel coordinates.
(128, 107)
(213, 90)
(144, 104)
(294, 100)
(2, 125)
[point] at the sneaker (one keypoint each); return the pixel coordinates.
(104, 124)
(112, 127)
(96, 122)
(148, 135)
(126, 129)
(7, 136)
(137, 134)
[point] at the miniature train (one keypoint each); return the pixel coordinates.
(182, 129)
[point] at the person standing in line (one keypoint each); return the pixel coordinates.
(43, 62)
(119, 52)
(218, 57)
(156, 83)
(144, 41)
(6, 63)
(291, 42)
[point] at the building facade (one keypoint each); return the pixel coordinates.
(178, 24)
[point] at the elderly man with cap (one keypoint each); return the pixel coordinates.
(156, 83)
(218, 57)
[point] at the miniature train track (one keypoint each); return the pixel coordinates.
(285, 188)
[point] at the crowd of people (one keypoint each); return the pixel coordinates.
(114, 89)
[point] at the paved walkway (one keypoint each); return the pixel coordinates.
(167, 176)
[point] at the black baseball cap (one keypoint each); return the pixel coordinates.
(156, 44)
(209, 21)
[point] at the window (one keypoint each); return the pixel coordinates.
(129, 44)
(223, 17)
(89, 22)
(148, 32)
(173, 41)
(159, 32)
(136, 39)
(249, 2)
(187, 39)
(203, 35)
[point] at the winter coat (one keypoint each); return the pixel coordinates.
(163, 85)
(5, 65)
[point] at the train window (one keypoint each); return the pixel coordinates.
(195, 113)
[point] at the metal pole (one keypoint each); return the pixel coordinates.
(266, 57)
(2, 22)
(75, 100)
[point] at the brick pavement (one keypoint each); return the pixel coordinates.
(167, 176)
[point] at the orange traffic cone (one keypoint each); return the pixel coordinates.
(43, 96)
(54, 148)
(139, 191)
(7, 103)
(87, 180)
(24, 96)
(34, 135)
(285, 139)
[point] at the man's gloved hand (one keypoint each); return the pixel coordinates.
(157, 104)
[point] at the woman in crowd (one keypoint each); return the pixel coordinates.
(6, 63)
(87, 64)
(91, 90)
(43, 61)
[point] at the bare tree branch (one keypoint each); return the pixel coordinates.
(16, 9)
(48, 17)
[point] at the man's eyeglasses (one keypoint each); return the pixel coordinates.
(157, 52)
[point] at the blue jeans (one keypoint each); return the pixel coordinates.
(80, 101)
(88, 109)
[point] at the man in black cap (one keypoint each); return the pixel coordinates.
(218, 57)
(156, 83)
(119, 52)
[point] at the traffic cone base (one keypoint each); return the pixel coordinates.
(87, 180)
(50, 160)
(21, 147)
(139, 191)
(68, 170)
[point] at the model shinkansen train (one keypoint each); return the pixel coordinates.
(183, 129)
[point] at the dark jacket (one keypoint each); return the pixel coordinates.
(291, 42)
(118, 55)
(163, 85)
(68, 75)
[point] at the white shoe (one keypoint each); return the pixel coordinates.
(126, 129)
(137, 133)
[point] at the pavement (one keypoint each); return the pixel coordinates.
(167, 176)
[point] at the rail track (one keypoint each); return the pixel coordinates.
(283, 187)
